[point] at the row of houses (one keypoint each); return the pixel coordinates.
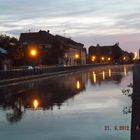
(109, 54)
(44, 48)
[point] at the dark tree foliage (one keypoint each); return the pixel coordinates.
(10, 44)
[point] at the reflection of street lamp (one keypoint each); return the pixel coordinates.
(103, 75)
(109, 71)
(94, 77)
(125, 70)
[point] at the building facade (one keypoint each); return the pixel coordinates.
(108, 54)
(44, 48)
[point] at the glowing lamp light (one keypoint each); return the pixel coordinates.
(102, 58)
(33, 52)
(108, 58)
(93, 58)
(76, 56)
(124, 58)
(35, 103)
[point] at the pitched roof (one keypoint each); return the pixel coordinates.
(41, 37)
(71, 43)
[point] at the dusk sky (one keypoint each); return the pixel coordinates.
(87, 21)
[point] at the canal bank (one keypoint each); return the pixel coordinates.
(135, 123)
(13, 77)
(78, 106)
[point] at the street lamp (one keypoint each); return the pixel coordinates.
(35, 103)
(76, 56)
(93, 58)
(108, 58)
(102, 58)
(33, 52)
(124, 58)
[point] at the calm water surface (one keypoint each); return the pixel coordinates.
(87, 105)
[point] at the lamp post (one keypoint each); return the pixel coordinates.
(93, 58)
(33, 53)
(77, 57)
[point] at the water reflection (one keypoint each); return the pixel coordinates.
(45, 94)
(125, 70)
(109, 72)
(94, 77)
(103, 75)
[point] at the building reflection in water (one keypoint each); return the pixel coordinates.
(45, 94)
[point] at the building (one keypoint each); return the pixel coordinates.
(44, 48)
(108, 54)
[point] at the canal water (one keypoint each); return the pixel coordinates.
(86, 105)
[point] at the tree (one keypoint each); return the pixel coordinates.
(11, 45)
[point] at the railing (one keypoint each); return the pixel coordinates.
(15, 73)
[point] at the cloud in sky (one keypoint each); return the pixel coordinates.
(87, 21)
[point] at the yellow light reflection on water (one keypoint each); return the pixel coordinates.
(78, 85)
(109, 72)
(125, 71)
(94, 77)
(103, 75)
(35, 103)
